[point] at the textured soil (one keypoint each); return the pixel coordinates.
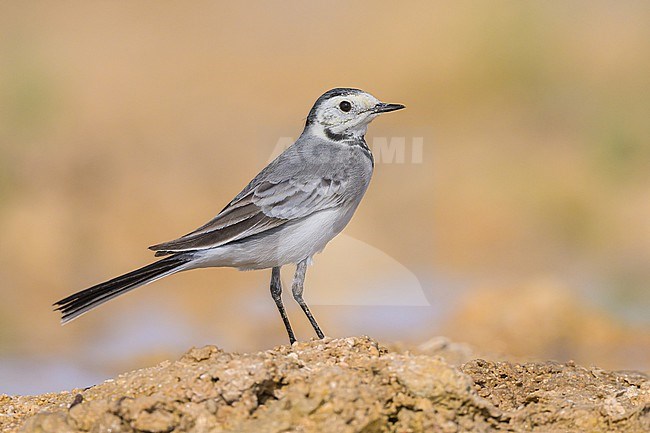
(345, 385)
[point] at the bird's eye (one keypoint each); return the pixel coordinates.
(345, 106)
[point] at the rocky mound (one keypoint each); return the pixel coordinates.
(345, 385)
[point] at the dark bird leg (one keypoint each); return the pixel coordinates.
(297, 289)
(276, 293)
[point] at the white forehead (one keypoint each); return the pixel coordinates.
(363, 101)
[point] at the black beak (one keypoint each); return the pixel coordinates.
(382, 107)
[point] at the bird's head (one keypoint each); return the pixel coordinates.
(345, 113)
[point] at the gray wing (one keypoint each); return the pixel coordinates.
(261, 206)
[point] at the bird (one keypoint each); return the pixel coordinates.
(284, 216)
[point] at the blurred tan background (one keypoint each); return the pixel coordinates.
(524, 230)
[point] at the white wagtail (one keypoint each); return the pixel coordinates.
(286, 214)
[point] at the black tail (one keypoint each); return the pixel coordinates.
(75, 305)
